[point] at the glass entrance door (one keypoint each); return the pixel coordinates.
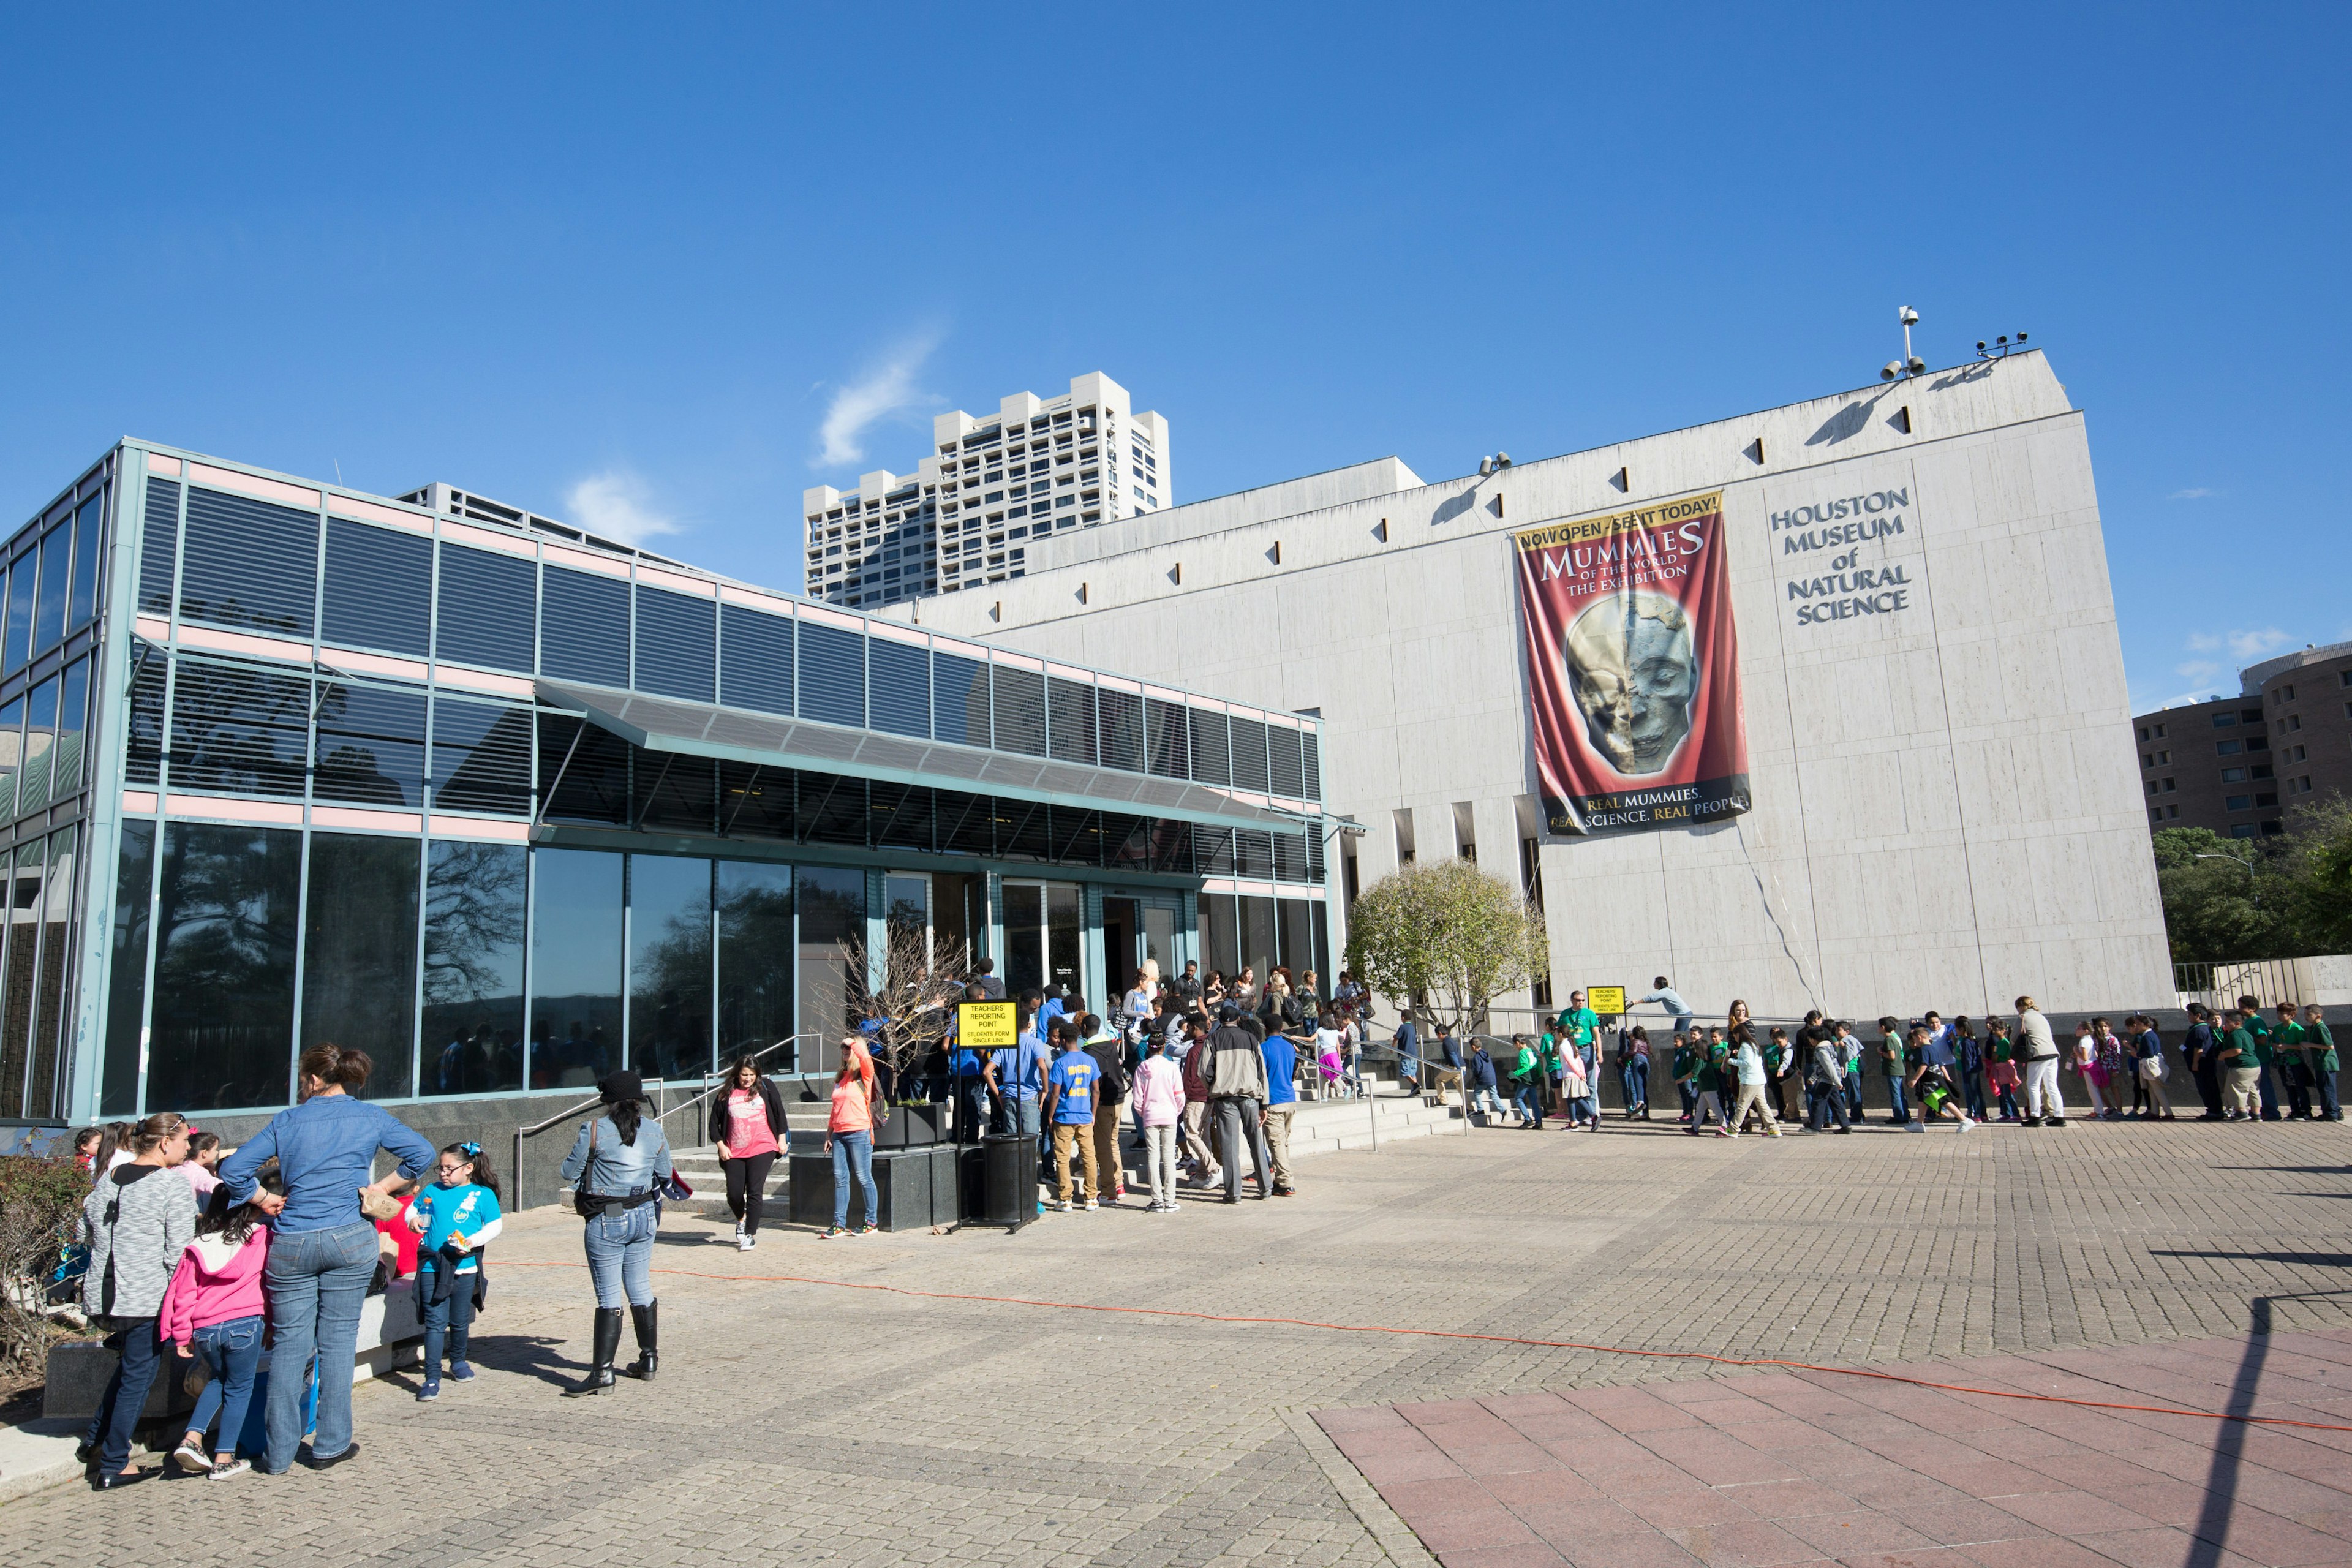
(1136, 929)
(1041, 937)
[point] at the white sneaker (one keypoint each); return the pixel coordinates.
(1915, 1127)
(1967, 1122)
(1094, 1203)
(739, 1230)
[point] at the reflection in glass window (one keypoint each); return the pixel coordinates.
(12, 754)
(474, 915)
(370, 746)
(224, 928)
(902, 676)
(677, 645)
(1293, 921)
(960, 701)
(379, 588)
(18, 634)
(1071, 719)
(40, 741)
(359, 955)
(51, 1030)
(143, 747)
(756, 660)
(126, 971)
(488, 610)
(906, 909)
(1259, 936)
(248, 563)
(158, 549)
(832, 906)
(481, 756)
(669, 966)
(584, 627)
(89, 533)
(57, 568)
(1122, 729)
(575, 967)
(238, 729)
(832, 674)
(22, 965)
(73, 709)
(1024, 938)
(1169, 753)
(755, 966)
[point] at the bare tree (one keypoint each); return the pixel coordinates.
(922, 981)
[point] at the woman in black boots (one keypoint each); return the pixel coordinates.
(616, 1169)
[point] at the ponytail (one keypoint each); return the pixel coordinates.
(485, 1174)
(625, 1115)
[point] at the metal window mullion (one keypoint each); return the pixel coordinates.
(530, 960)
(417, 976)
(301, 954)
(629, 921)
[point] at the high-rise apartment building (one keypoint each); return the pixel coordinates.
(2240, 764)
(1037, 466)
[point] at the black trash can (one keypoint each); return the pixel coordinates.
(1012, 1181)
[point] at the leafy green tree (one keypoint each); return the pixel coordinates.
(2225, 899)
(1447, 936)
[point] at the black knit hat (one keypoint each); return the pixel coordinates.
(620, 1085)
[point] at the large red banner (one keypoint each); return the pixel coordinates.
(1634, 669)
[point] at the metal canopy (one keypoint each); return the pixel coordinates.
(708, 730)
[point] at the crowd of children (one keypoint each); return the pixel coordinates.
(172, 1270)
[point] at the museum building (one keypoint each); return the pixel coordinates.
(507, 806)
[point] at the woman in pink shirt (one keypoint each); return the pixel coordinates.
(747, 1123)
(849, 1138)
(1159, 1099)
(214, 1310)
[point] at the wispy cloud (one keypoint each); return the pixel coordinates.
(2197, 492)
(887, 389)
(618, 505)
(2245, 646)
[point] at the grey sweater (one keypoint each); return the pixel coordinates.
(136, 1230)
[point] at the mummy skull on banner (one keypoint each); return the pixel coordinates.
(1634, 669)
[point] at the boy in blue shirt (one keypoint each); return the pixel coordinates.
(1070, 1089)
(1281, 1054)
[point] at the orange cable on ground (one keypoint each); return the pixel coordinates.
(1490, 1338)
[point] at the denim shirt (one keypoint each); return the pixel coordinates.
(326, 1152)
(617, 1169)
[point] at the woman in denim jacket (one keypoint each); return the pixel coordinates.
(617, 1167)
(321, 1248)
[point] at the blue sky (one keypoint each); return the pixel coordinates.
(621, 264)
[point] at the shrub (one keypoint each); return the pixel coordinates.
(41, 1207)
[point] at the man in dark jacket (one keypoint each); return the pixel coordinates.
(2201, 1051)
(1237, 1090)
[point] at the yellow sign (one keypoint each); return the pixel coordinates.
(1609, 1000)
(991, 1025)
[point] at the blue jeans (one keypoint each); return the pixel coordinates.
(125, 1399)
(1900, 1110)
(1529, 1100)
(231, 1352)
(854, 1152)
(449, 1320)
(620, 1245)
(1584, 1108)
(1636, 1076)
(2270, 1091)
(317, 1280)
(1973, 1085)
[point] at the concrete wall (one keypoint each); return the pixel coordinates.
(1947, 807)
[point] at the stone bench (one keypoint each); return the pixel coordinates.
(390, 1335)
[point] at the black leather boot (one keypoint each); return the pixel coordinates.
(648, 1321)
(608, 1344)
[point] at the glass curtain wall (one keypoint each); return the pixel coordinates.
(756, 959)
(225, 930)
(358, 957)
(475, 910)
(669, 966)
(831, 903)
(575, 966)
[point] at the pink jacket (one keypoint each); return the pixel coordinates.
(1159, 1091)
(216, 1283)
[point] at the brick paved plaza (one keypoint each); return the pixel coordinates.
(809, 1423)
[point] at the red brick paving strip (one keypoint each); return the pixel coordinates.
(1759, 1469)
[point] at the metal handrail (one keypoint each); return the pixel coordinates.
(566, 1114)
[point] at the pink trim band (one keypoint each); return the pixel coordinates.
(248, 484)
(481, 680)
(587, 560)
(479, 828)
(466, 533)
(678, 582)
(159, 464)
(366, 821)
(751, 599)
(372, 663)
(245, 643)
(351, 506)
(141, 801)
(221, 808)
